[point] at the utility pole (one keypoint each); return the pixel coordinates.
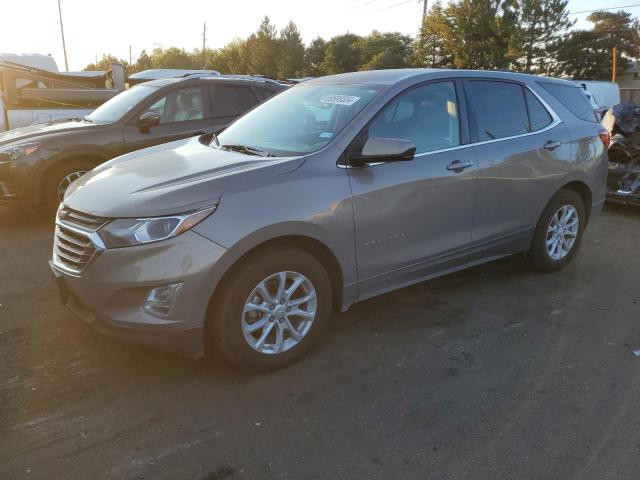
(64, 45)
(613, 76)
(130, 58)
(424, 16)
(204, 45)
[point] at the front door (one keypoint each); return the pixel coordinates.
(183, 113)
(414, 218)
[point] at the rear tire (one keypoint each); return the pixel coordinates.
(556, 238)
(240, 306)
(59, 178)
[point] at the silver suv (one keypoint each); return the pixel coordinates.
(337, 190)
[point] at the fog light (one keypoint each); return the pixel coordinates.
(160, 300)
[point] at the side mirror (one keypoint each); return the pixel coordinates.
(148, 119)
(384, 150)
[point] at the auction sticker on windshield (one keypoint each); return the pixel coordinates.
(339, 99)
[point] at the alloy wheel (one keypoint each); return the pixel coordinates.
(562, 232)
(66, 181)
(279, 312)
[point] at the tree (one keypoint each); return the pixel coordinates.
(384, 50)
(291, 63)
(470, 34)
(314, 57)
(342, 55)
(587, 54)
(261, 50)
(431, 49)
(104, 63)
(143, 63)
(541, 23)
(172, 57)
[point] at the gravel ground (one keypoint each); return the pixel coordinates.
(492, 373)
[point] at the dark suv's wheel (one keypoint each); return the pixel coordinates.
(59, 179)
(558, 233)
(273, 307)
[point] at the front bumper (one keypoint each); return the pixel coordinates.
(109, 294)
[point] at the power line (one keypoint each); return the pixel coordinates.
(606, 8)
(393, 6)
(363, 4)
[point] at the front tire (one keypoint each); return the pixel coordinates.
(559, 232)
(271, 309)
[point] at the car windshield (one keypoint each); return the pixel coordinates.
(298, 121)
(117, 107)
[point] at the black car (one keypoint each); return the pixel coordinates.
(38, 162)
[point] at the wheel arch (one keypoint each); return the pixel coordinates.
(314, 247)
(92, 157)
(582, 189)
(319, 250)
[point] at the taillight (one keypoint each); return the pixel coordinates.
(605, 137)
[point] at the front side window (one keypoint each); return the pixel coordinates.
(180, 106)
(427, 116)
(117, 107)
(497, 108)
(300, 120)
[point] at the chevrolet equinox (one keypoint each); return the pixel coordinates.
(334, 191)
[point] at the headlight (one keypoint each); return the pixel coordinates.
(13, 152)
(126, 232)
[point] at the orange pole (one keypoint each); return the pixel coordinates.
(613, 77)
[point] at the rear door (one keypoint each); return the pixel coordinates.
(413, 218)
(184, 112)
(523, 151)
(229, 101)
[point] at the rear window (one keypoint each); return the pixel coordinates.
(231, 101)
(574, 99)
(498, 108)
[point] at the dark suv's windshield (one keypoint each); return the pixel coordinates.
(117, 107)
(300, 120)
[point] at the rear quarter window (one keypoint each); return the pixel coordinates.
(573, 98)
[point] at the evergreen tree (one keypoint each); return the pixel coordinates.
(314, 57)
(541, 23)
(292, 52)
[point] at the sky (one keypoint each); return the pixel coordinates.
(94, 27)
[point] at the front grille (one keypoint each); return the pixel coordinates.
(81, 219)
(74, 247)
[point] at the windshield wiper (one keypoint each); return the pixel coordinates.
(246, 150)
(87, 119)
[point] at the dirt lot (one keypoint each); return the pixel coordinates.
(496, 372)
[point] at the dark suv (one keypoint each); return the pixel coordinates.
(38, 162)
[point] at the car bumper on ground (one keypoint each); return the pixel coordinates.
(624, 198)
(110, 293)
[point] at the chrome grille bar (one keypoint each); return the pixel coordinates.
(76, 242)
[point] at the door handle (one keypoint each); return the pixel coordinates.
(457, 166)
(551, 145)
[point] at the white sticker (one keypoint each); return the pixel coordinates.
(339, 99)
(326, 135)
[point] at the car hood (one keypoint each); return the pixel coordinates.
(32, 132)
(172, 178)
